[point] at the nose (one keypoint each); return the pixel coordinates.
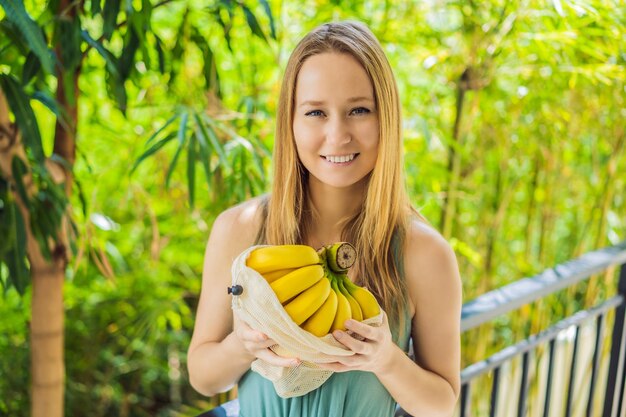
(338, 132)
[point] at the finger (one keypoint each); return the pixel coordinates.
(334, 366)
(255, 345)
(273, 359)
(244, 327)
(351, 343)
(250, 335)
(365, 330)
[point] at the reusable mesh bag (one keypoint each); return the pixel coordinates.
(259, 307)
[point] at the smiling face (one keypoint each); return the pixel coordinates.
(335, 122)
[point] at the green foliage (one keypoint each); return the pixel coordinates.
(136, 320)
(24, 116)
(12, 229)
(15, 354)
(220, 151)
(16, 14)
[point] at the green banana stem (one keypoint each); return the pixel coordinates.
(340, 256)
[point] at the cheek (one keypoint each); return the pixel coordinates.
(369, 136)
(304, 137)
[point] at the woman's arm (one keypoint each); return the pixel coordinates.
(223, 348)
(431, 385)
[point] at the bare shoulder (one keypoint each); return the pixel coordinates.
(239, 223)
(425, 246)
(430, 263)
(233, 231)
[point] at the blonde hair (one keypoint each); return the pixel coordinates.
(383, 221)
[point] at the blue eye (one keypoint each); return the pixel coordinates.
(314, 113)
(360, 110)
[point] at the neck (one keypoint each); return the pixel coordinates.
(331, 207)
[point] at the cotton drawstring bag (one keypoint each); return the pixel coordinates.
(258, 306)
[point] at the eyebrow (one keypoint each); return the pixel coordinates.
(350, 100)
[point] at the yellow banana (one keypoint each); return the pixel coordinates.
(367, 301)
(343, 310)
(297, 281)
(307, 302)
(274, 275)
(319, 323)
(355, 309)
(273, 258)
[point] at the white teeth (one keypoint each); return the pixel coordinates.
(340, 159)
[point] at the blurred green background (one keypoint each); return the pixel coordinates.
(515, 150)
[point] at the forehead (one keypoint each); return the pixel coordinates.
(332, 75)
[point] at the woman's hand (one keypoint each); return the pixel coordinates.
(257, 345)
(373, 347)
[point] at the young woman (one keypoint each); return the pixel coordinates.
(338, 177)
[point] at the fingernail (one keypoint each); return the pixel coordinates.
(338, 334)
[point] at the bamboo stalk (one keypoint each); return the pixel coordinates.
(530, 212)
(454, 162)
(609, 188)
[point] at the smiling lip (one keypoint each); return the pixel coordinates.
(340, 159)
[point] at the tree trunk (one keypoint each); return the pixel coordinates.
(46, 325)
(47, 360)
(47, 275)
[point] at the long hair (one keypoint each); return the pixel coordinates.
(378, 230)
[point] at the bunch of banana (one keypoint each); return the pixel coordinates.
(313, 286)
(352, 301)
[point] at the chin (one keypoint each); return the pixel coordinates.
(341, 183)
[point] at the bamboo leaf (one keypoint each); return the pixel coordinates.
(32, 66)
(70, 38)
(182, 139)
(205, 154)
(52, 105)
(226, 27)
(215, 143)
(117, 90)
(182, 127)
(109, 59)
(24, 115)
(127, 58)
(253, 23)
(159, 130)
(81, 196)
(268, 12)
(13, 35)
(159, 48)
(152, 150)
(96, 7)
(19, 170)
(191, 169)
(16, 256)
(17, 14)
(109, 15)
(209, 69)
(6, 218)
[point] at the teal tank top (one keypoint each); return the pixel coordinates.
(344, 394)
